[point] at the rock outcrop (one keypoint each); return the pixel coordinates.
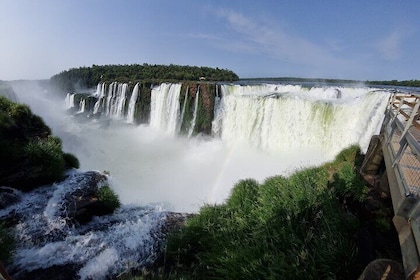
(8, 196)
(84, 201)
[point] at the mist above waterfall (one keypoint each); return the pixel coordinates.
(265, 130)
(149, 166)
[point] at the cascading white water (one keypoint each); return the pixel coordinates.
(69, 100)
(132, 104)
(320, 118)
(100, 94)
(106, 246)
(183, 110)
(164, 107)
(117, 109)
(192, 126)
(115, 100)
(110, 98)
(82, 105)
(216, 124)
(277, 127)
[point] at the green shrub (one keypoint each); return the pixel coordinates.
(29, 124)
(7, 244)
(382, 224)
(5, 120)
(285, 228)
(71, 161)
(351, 154)
(47, 156)
(108, 197)
(30, 155)
(243, 195)
(348, 184)
(273, 195)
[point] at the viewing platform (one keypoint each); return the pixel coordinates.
(399, 148)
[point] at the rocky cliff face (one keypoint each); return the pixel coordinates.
(196, 98)
(205, 92)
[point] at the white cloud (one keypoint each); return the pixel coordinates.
(390, 46)
(276, 42)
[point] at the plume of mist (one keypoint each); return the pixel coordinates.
(149, 167)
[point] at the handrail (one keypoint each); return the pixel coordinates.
(401, 148)
(402, 114)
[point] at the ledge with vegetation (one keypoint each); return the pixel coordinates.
(30, 154)
(31, 157)
(89, 77)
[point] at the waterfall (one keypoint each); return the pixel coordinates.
(216, 124)
(98, 90)
(110, 97)
(115, 102)
(69, 100)
(197, 97)
(183, 109)
(279, 121)
(82, 105)
(100, 94)
(132, 104)
(164, 107)
(269, 117)
(121, 96)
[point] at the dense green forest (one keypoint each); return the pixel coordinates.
(303, 80)
(405, 83)
(88, 77)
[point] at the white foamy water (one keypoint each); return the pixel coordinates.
(321, 119)
(106, 246)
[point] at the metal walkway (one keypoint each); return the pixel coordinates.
(401, 151)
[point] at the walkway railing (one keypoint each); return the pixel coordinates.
(401, 148)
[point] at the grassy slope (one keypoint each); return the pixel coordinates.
(301, 227)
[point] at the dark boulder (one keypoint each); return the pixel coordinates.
(57, 272)
(8, 196)
(84, 201)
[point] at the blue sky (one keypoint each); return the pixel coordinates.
(363, 40)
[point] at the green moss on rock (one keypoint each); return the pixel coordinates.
(109, 198)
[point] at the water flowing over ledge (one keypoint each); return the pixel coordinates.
(130, 238)
(270, 117)
(207, 136)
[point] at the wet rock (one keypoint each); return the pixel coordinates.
(8, 196)
(56, 272)
(83, 203)
(383, 269)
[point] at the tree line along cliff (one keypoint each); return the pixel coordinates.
(88, 77)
